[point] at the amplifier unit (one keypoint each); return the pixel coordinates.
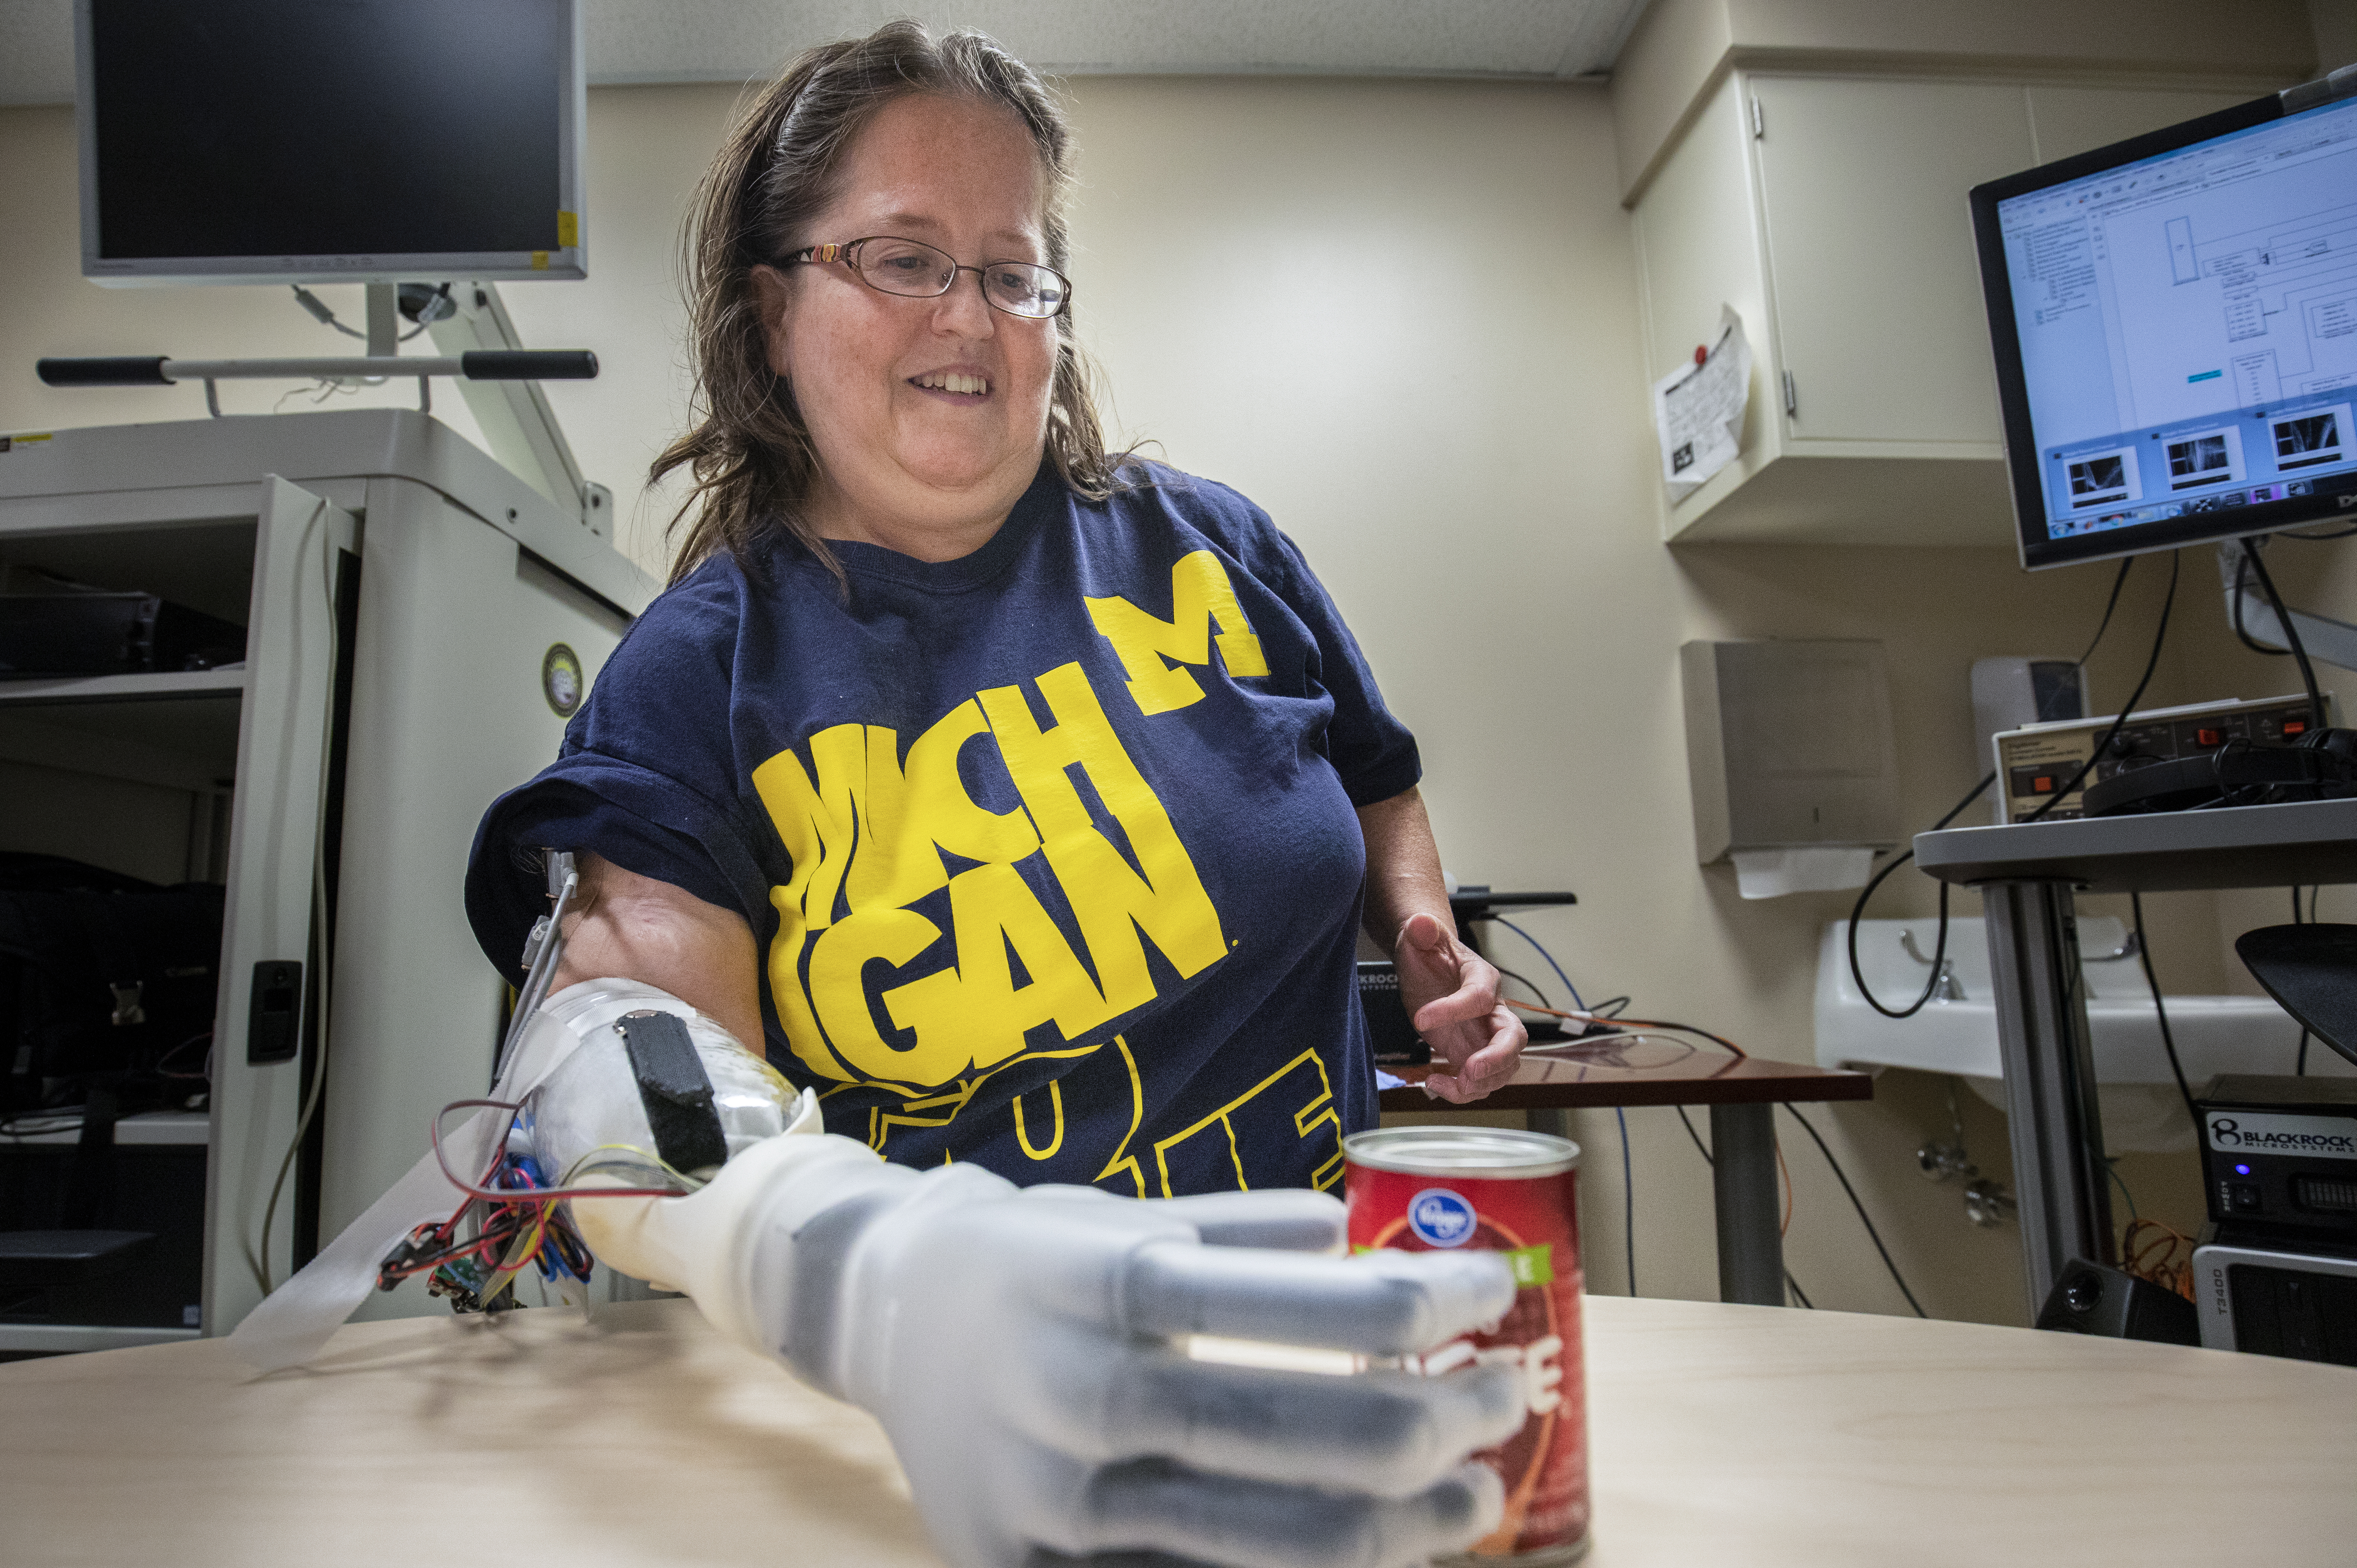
(2256, 1291)
(2281, 1153)
(2035, 763)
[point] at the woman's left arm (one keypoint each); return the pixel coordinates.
(1450, 991)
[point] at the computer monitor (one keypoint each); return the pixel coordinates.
(2175, 320)
(299, 141)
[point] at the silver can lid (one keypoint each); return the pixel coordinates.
(1485, 1153)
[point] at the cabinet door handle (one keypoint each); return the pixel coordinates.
(1791, 396)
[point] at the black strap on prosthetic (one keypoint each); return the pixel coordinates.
(673, 1090)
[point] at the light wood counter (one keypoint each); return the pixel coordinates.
(1723, 1436)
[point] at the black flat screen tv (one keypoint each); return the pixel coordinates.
(338, 141)
(2175, 321)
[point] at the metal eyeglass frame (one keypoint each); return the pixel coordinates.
(846, 252)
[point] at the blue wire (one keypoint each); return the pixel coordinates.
(1628, 1179)
(1559, 974)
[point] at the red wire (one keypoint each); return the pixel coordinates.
(537, 1195)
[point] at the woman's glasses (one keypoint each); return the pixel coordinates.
(921, 271)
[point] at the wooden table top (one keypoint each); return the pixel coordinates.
(1734, 1436)
(1641, 1069)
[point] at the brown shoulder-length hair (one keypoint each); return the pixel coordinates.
(748, 447)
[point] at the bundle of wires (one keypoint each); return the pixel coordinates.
(473, 1257)
(2160, 1253)
(512, 1219)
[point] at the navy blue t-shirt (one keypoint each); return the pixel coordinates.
(1050, 850)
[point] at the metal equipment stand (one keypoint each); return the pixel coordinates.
(2026, 874)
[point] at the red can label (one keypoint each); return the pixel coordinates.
(1532, 1223)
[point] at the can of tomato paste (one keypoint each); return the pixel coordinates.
(1493, 1189)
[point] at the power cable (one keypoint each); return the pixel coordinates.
(2299, 1062)
(2160, 1009)
(1843, 1177)
(2258, 565)
(1627, 1175)
(2151, 663)
(1542, 952)
(2102, 626)
(1939, 947)
(1522, 979)
(1704, 1150)
(322, 980)
(2241, 576)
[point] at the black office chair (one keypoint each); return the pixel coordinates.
(2311, 972)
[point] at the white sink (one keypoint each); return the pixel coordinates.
(2139, 1097)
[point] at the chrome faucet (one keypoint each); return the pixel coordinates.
(1944, 989)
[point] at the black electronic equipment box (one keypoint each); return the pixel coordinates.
(1388, 1029)
(2281, 1153)
(2275, 1293)
(95, 632)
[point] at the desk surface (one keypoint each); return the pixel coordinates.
(1723, 1435)
(2168, 852)
(1641, 1069)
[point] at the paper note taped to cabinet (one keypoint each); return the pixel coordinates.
(1698, 409)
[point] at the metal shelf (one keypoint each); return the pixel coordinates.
(41, 690)
(182, 1129)
(2165, 851)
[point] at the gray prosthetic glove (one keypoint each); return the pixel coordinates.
(1029, 1352)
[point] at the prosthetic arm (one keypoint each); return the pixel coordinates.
(1043, 1358)
(1029, 1350)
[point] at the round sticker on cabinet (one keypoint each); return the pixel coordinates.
(560, 679)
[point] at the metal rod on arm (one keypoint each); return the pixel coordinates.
(475, 365)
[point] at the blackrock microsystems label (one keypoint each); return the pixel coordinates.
(2253, 1133)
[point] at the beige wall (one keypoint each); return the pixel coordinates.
(1281, 280)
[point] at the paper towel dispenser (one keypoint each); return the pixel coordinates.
(1789, 746)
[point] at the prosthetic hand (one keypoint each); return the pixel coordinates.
(1028, 1350)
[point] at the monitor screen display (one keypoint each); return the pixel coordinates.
(2176, 330)
(286, 140)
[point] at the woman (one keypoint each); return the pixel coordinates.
(1025, 801)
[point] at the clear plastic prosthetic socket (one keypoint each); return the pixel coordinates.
(1027, 1349)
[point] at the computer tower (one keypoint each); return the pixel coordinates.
(2274, 1293)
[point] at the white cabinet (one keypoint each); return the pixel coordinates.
(402, 595)
(1831, 212)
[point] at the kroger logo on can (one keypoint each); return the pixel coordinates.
(1440, 1217)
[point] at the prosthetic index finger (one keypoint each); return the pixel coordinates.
(1292, 1219)
(1383, 1303)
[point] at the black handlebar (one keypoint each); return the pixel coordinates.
(133, 370)
(527, 365)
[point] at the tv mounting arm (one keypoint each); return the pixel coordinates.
(2332, 641)
(480, 346)
(517, 423)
